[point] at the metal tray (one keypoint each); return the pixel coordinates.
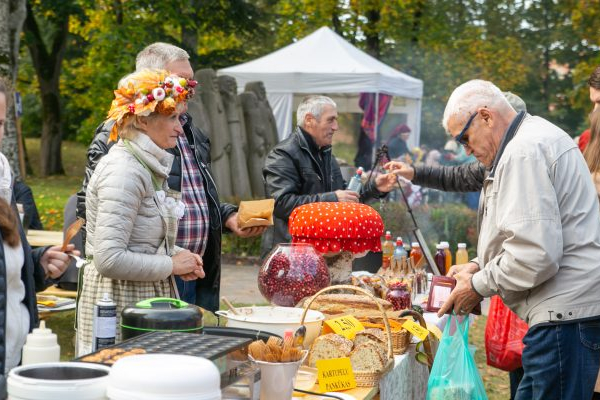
(208, 346)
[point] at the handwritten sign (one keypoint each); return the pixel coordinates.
(335, 374)
(415, 329)
(346, 326)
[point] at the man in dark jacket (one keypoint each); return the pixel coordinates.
(301, 169)
(205, 217)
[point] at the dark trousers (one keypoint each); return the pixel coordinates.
(561, 361)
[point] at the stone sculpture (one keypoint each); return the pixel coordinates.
(239, 146)
(258, 88)
(258, 146)
(220, 137)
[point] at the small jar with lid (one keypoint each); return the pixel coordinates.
(399, 295)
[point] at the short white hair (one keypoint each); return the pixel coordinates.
(158, 55)
(470, 96)
(313, 105)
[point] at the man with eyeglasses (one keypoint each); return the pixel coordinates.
(539, 241)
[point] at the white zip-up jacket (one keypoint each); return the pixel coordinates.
(539, 243)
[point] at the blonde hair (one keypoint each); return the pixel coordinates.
(592, 150)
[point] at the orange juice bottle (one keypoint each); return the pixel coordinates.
(387, 249)
(462, 256)
(416, 253)
(446, 247)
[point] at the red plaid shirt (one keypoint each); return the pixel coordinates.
(192, 233)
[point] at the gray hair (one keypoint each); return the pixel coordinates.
(515, 101)
(158, 55)
(312, 105)
(471, 95)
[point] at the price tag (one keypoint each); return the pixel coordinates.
(335, 374)
(346, 326)
(415, 329)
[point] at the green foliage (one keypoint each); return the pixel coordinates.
(240, 247)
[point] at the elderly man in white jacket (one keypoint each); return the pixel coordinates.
(539, 244)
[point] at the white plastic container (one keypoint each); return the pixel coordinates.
(164, 376)
(276, 320)
(58, 381)
(41, 346)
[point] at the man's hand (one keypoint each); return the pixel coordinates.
(463, 298)
(347, 196)
(233, 225)
(400, 168)
(469, 267)
(386, 182)
(55, 262)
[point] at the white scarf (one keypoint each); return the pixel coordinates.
(5, 179)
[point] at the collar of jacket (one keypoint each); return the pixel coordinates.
(311, 147)
(508, 135)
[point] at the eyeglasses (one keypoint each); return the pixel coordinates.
(460, 138)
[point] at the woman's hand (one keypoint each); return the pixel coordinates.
(188, 265)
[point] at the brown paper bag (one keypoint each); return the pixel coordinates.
(256, 213)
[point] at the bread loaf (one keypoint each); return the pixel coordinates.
(367, 357)
(341, 303)
(373, 335)
(329, 346)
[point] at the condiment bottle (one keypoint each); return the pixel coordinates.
(448, 254)
(41, 346)
(415, 253)
(462, 256)
(356, 182)
(399, 296)
(440, 258)
(387, 249)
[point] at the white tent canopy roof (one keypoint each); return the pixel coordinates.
(323, 62)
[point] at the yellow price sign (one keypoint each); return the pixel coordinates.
(415, 329)
(346, 326)
(335, 374)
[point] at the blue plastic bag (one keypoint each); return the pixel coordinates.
(454, 375)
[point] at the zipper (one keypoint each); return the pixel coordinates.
(321, 176)
(205, 170)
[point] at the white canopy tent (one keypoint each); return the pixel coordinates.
(324, 63)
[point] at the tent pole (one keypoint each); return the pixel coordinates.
(376, 128)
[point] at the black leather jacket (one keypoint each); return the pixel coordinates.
(456, 178)
(293, 177)
(207, 289)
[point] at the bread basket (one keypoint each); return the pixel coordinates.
(363, 378)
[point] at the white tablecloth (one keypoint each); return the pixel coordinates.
(408, 379)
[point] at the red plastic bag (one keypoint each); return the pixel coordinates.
(504, 336)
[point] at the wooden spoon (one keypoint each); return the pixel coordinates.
(230, 306)
(71, 232)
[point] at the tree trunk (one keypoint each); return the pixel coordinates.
(372, 32)
(12, 15)
(47, 66)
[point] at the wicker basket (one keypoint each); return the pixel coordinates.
(400, 341)
(363, 378)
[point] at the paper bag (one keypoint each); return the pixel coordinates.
(256, 213)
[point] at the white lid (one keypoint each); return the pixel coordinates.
(439, 246)
(462, 245)
(446, 245)
(162, 376)
(415, 244)
(41, 337)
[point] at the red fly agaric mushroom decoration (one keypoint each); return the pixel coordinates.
(349, 228)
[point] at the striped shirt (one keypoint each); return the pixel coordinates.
(193, 228)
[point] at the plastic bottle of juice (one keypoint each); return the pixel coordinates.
(416, 253)
(399, 252)
(462, 256)
(387, 248)
(440, 258)
(446, 246)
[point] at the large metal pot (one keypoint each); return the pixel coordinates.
(160, 314)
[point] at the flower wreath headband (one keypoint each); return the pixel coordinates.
(146, 92)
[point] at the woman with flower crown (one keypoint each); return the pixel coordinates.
(131, 214)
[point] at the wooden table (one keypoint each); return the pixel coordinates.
(44, 238)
